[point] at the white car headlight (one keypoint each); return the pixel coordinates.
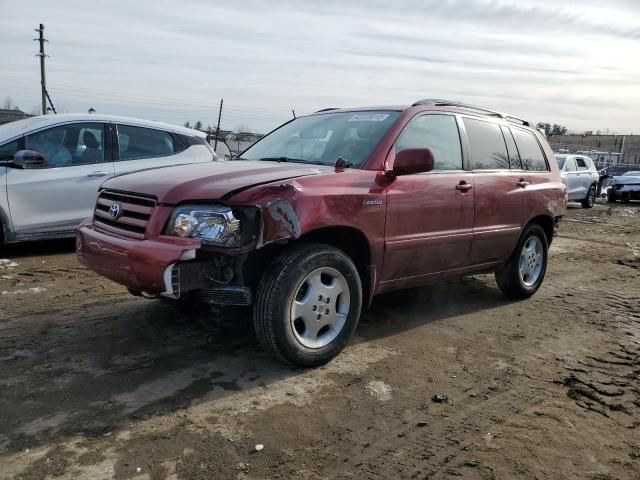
(213, 224)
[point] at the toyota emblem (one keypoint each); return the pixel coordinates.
(114, 210)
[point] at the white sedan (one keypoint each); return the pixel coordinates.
(51, 166)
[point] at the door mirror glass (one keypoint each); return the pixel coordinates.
(29, 159)
(413, 160)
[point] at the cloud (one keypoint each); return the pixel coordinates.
(571, 64)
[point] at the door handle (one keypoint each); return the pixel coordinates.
(464, 186)
(98, 174)
(522, 183)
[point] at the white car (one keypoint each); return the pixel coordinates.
(625, 187)
(580, 176)
(51, 166)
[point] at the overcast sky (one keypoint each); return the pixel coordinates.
(569, 62)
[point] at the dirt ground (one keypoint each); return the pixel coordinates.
(96, 384)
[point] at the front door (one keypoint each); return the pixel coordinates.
(56, 199)
(429, 215)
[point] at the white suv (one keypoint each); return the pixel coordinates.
(51, 166)
(581, 177)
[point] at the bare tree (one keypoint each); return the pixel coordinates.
(9, 105)
(198, 125)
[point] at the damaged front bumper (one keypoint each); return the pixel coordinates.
(168, 267)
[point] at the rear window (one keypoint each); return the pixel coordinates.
(487, 145)
(530, 151)
(560, 161)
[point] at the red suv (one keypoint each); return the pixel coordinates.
(330, 209)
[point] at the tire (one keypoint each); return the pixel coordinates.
(301, 281)
(590, 199)
(511, 282)
(611, 196)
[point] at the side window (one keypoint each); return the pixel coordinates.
(530, 150)
(514, 157)
(138, 142)
(571, 165)
(582, 165)
(69, 145)
(438, 132)
(8, 150)
(486, 144)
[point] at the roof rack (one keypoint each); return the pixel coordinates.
(327, 109)
(448, 103)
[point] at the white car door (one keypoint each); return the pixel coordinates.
(584, 176)
(572, 180)
(140, 148)
(54, 200)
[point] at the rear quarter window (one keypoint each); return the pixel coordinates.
(530, 151)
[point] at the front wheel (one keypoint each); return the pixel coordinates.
(521, 275)
(308, 304)
(590, 199)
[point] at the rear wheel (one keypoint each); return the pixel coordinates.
(308, 304)
(590, 199)
(521, 275)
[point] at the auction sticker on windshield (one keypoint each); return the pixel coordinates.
(369, 117)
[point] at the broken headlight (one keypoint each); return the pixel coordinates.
(213, 224)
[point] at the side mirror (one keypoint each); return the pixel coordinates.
(413, 160)
(28, 159)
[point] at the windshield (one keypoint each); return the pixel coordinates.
(560, 159)
(322, 139)
(631, 174)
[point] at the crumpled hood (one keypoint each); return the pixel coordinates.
(208, 181)
(626, 180)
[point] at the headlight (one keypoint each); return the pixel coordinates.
(213, 224)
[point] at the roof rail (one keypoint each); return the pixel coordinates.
(448, 103)
(327, 109)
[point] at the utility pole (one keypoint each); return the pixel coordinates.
(43, 81)
(215, 143)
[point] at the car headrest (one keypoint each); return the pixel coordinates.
(90, 140)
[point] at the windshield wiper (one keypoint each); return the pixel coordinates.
(288, 159)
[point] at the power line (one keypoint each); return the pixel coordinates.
(77, 91)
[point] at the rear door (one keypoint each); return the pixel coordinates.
(429, 215)
(139, 148)
(55, 200)
(500, 182)
(572, 180)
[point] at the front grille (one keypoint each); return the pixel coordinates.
(133, 215)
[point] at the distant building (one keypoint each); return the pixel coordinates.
(7, 115)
